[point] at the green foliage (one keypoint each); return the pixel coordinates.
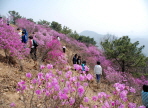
(43, 22)
(56, 26)
(81, 38)
(30, 19)
(66, 30)
(15, 15)
(126, 54)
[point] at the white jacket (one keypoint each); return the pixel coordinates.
(98, 69)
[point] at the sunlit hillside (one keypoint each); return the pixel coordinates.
(51, 80)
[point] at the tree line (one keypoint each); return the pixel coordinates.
(57, 27)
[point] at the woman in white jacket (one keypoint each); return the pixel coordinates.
(98, 71)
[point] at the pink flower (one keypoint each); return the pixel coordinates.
(66, 90)
(68, 74)
(73, 79)
(42, 66)
(29, 75)
(12, 104)
(47, 93)
(62, 95)
(49, 66)
(113, 103)
(81, 91)
(132, 90)
(86, 68)
(33, 81)
(89, 77)
(38, 92)
(85, 84)
(48, 76)
(121, 106)
(40, 76)
(117, 102)
(21, 86)
(101, 94)
(81, 77)
(71, 101)
(123, 94)
(94, 98)
(95, 106)
(106, 105)
(77, 67)
(86, 99)
(131, 105)
(81, 106)
(56, 87)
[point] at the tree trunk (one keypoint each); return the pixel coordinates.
(123, 66)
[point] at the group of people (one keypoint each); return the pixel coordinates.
(28, 41)
(97, 68)
(32, 44)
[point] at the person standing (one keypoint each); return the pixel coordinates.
(19, 31)
(74, 59)
(98, 71)
(83, 65)
(144, 95)
(79, 60)
(64, 49)
(32, 46)
(58, 38)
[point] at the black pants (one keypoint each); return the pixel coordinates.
(33, 53)
(64, 50)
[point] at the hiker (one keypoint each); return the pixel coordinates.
(144, 95)
(24, 38)
(33, 47)
(79, 60)
(83, 65)
(19, 31)
(98, 71)
(75, 59)
(58, 38)
(26, 34)
(64, 49)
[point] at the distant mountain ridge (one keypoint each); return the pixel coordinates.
(91, 34)
(97, 37)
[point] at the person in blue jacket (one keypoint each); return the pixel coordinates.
(24, 37)
(144, 95)
(83, 65)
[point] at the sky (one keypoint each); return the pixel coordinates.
(116, 17)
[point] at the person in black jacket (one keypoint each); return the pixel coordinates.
(75, 59)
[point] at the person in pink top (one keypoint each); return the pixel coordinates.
(32, 45)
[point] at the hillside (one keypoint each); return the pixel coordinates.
(52, 80)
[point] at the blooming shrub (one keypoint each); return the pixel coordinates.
(66, 89)
(51, 89)
(11, 43)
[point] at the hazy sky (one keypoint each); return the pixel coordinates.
(118, 17)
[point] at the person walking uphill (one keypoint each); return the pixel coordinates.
(32, 45)
(98, 71)
(144, 94)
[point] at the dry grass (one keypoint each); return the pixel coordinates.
(10, 75)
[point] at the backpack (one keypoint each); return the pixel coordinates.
(35, 44)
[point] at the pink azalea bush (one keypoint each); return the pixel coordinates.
(50, 86)
(11, 43)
